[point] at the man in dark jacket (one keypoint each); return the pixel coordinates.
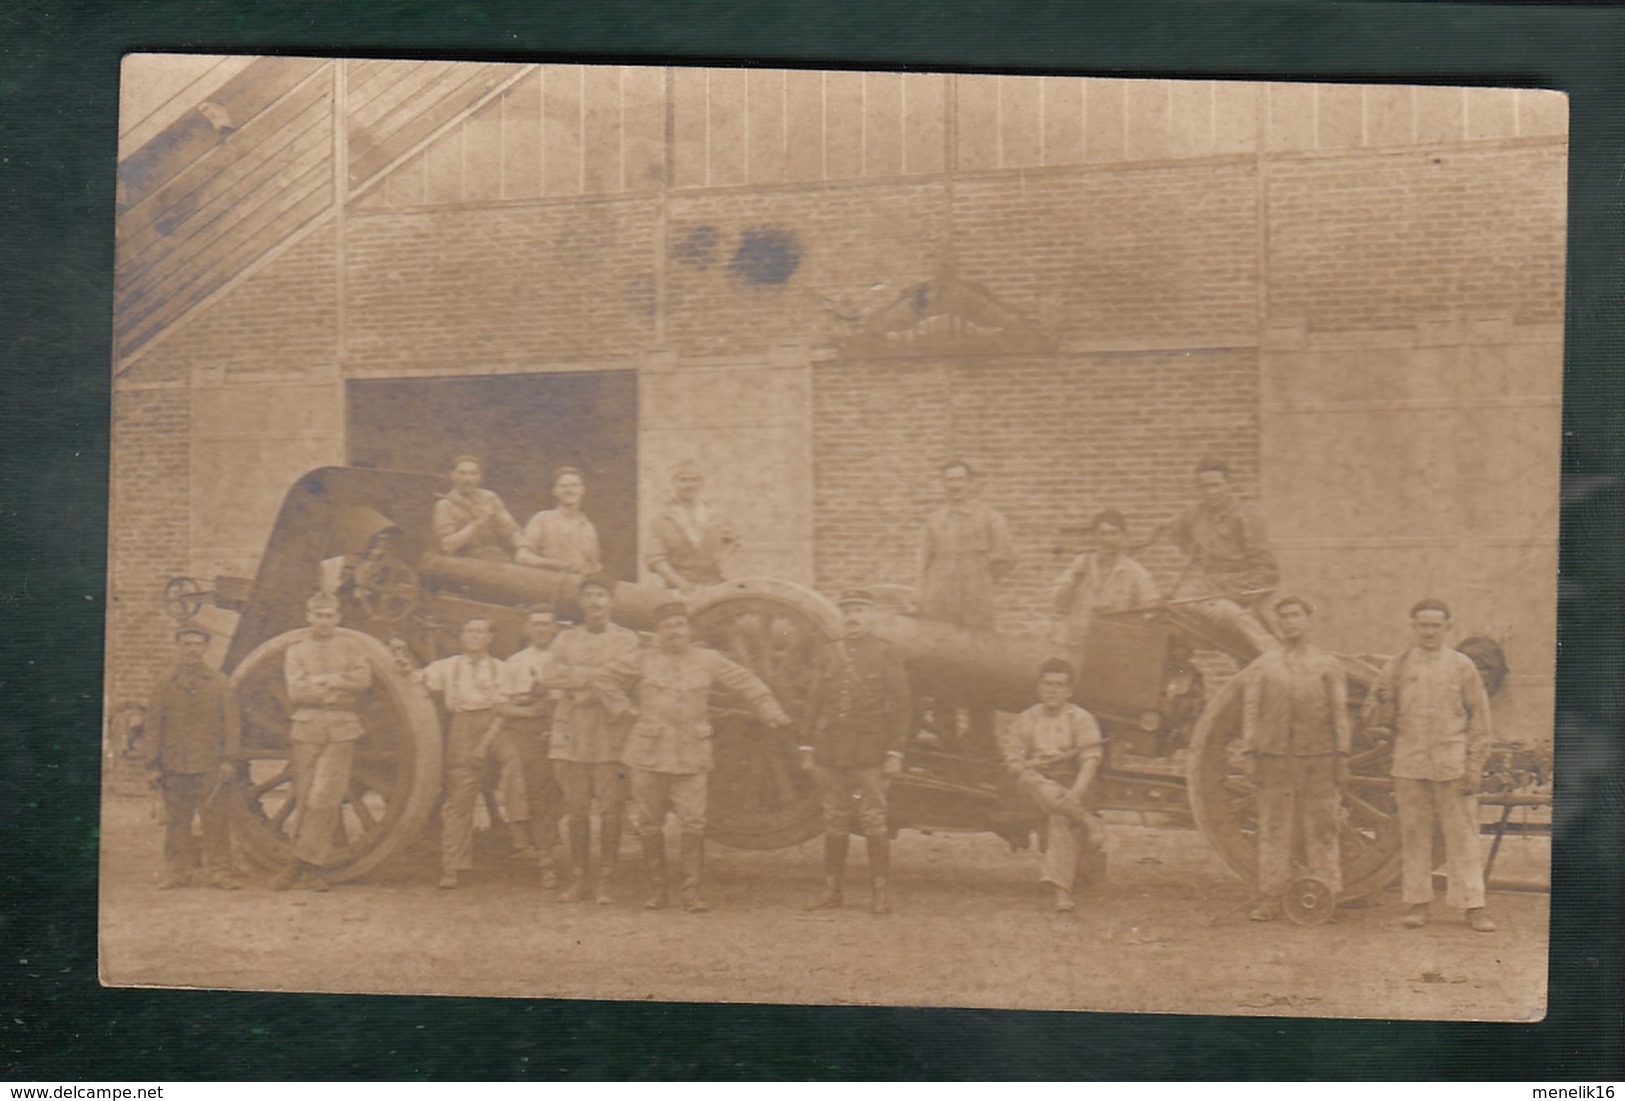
(190, 751)
(858, 718)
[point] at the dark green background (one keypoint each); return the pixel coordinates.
(58, 135)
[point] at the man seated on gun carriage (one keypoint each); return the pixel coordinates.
(1053, 749)
(1231, 566)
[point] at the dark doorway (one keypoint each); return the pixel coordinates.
(523, 427)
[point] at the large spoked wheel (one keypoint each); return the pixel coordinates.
(394, 780)
(759, 798)
(1225, 804)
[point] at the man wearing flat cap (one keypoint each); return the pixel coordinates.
(666, 691)
(858, 719)
(190, 750)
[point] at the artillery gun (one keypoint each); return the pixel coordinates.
(1172, 746)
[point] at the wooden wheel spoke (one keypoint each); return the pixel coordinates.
(257, 714)
(1367, 756)
(260, 789)
(1366, 811)
(280, 818)
(1344, 829)
(358, 805)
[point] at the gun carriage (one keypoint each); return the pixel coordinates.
(1172, 744)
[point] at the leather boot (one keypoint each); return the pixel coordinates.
(693, 860)
(578, 832)
(879, 871)
(835, 846)
(609, 852)
(654, 863)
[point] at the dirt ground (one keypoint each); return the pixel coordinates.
(1166, 933)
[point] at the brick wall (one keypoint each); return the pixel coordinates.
(1054, 439)
(280, 321)
(749, 269)
(1118, 255)
(527, 283)
(283, 317)
(1376, 242)
(148, 523)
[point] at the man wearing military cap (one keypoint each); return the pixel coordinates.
(191, 749)
(587, 742)
(858, 718)
(690, 539)
(326, 673)
(666, 691)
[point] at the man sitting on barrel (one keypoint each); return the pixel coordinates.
(1053, 749)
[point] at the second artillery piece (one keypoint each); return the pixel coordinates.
(1172, 746)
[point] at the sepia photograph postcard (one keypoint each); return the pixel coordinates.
(833, 537)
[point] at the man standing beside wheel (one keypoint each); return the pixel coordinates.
(1053, 750)
(858, 716)
(1433, 698)
(326, 675)
(1295, 733)
(470, 683)
(666, 691)
(587, 741)
(190, 750)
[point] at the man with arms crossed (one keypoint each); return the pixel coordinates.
(666, 691)
(857, 727)
(1295, 733)
(326, 675)
(1434, 700)
(474, 521)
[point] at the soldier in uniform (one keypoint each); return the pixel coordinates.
(470, 683)
(667, 691)
(562, 538)
(474, 521)
(1102, 580)
(1053, 750)
(1295, 733)
(326, 675)
(1434, 700)
(690, 539)
(857, 728)
(587, 741)
(190, 750)
(1228, 547)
